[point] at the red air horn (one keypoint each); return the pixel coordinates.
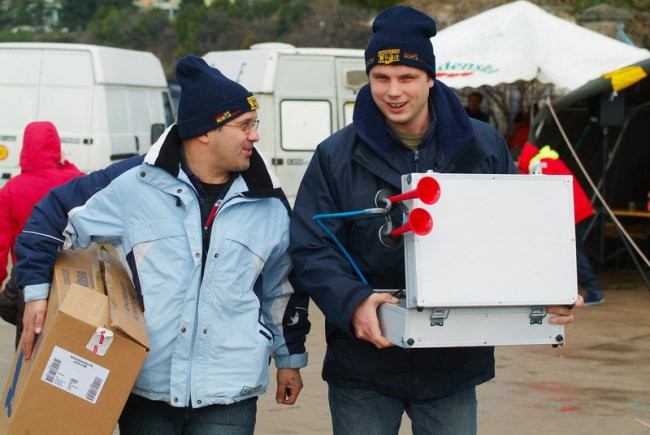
(419, 221)
(428, 190)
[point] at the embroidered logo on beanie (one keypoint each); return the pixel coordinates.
(208, 99)
(388, 56)
(252, 101)
(222, 117)
(402, 36)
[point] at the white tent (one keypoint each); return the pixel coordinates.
(521, 41)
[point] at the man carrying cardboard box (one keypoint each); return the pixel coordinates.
(204, 226)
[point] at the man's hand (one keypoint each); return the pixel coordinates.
(564, 314)
(365, 322)
(289, 386)
(33, 320)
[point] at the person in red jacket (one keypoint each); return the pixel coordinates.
(522, 130)
(42, 167)
(546, 161)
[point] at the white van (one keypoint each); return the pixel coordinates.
(305, 94)
(107, 103)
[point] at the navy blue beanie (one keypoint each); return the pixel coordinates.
(402, 37)
(208, 98)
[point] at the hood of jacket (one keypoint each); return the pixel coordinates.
(41, 147)
(259, 178)
(453, 129)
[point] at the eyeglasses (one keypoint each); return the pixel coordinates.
(246, 126)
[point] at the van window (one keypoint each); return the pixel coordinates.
(304, 124)
(348, 110)
(169, 112)
(117, 107)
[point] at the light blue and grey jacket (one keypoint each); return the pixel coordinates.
(211, 336)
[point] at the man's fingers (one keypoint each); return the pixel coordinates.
(280, 395)
(289, 397)
(27, 337)
(382, 343)
(33, 321)
(378, 338)
(289, 386)
(387, 297)
(365, 322)
(39, 322)
(579, 302)
(561, 319)
(563, 315)
(27, 340)
(374, 335)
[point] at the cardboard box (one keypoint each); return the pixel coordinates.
(88, 356)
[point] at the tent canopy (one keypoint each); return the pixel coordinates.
(592, 88)
(520, 41)
(609, 131)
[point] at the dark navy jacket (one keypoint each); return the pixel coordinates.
(41, 238)
(345, 173)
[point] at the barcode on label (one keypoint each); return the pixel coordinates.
(52, 371)
(66, 277)
(94, 387)
(82, 278)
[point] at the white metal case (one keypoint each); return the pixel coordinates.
(501, 250)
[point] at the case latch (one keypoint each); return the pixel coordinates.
(438, 316)
(537, 314)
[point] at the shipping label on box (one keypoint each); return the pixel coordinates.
(76, 375)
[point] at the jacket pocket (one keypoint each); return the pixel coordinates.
(263, 329)
(156, 230)
(255, 248)
(162, 260)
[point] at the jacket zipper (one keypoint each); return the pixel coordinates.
(416, 160)
(208, 223)
(213, 214)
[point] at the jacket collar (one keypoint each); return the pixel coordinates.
(452, 129)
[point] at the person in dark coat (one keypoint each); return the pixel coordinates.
(12, 306)
(404, 121)
(473, 107)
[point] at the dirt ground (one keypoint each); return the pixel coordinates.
(598, 383)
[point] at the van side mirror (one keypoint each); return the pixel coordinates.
(156, 131)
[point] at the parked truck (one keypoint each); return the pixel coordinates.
(107, 103)
(305, 94)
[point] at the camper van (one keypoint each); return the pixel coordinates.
(305, 94)
(107, 103)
